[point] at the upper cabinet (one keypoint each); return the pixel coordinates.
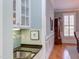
(22, 13)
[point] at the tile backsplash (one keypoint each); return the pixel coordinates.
(25, 38)
(22, 36)
(16, 38)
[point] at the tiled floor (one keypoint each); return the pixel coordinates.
(64, 52)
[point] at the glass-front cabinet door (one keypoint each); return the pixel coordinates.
(21, 13)
(25, 13)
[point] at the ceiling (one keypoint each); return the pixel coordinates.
(66, 4)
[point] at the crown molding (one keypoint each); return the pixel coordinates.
(66, 10)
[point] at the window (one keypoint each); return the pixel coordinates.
(14, 5)
(69, 24)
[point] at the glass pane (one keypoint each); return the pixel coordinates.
(14, 15)
(66, 31)
(27, 3)
(14, 18)
(66, 20)
(27, 21)
(27, 11)
(14, 21)
(23, 20)
(23, 10)
(71, 30)
(23, 1)
(71, 19)
(14, 5)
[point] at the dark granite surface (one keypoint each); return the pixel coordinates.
(24, 49)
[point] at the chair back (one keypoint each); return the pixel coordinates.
(76, 36)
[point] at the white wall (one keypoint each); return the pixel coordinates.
(43, 30)
(49, 13)
(36, 14)
(49, 38)
(1, 29)
(5, 29)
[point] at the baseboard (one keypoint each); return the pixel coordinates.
(71, 44)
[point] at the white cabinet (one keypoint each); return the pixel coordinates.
(21, 13)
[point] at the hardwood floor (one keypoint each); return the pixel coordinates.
(64, 52)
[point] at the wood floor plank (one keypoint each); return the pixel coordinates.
(60, 52)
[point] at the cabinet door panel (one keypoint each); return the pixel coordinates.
(27, 21)
(21, 13)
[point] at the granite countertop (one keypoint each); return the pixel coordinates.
(26, 51)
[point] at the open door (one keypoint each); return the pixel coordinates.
(57, 35)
